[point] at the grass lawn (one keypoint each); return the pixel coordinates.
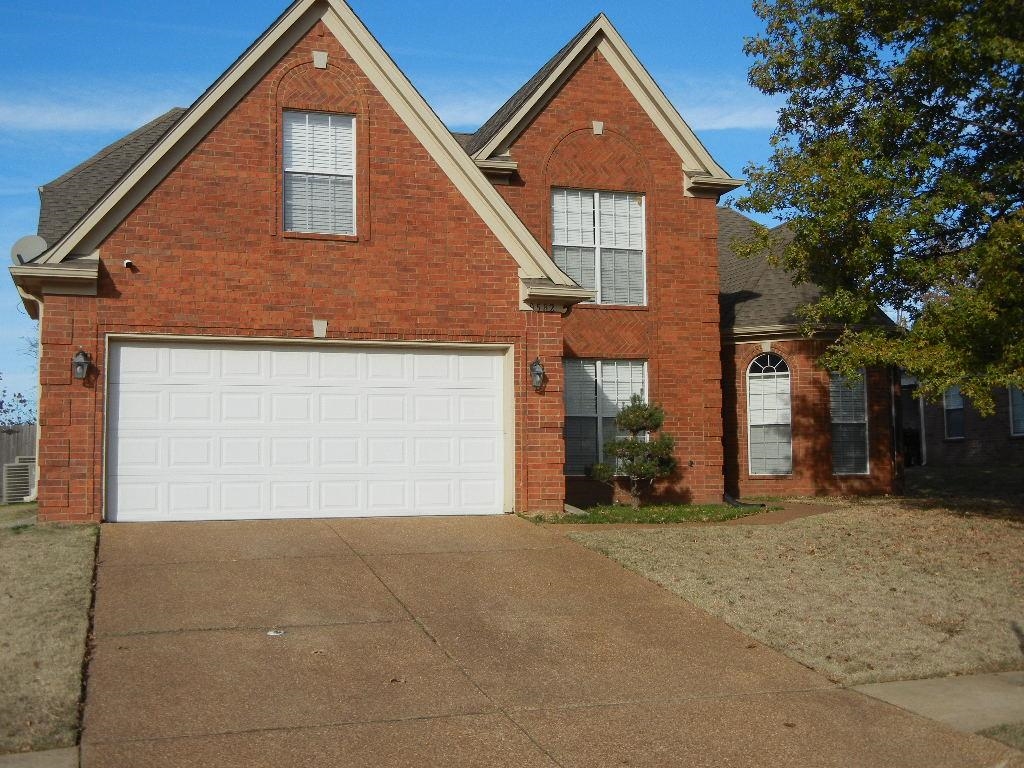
(657, 513)
(45, 591)
(14, 514)
(874, 590)
(1011, 734)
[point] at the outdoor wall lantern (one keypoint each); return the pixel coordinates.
(537, 374)
(80, 364)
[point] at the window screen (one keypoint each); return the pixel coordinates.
(595, 391)
(769, 416)
(319, 173)
(598, 240)
(848, 405)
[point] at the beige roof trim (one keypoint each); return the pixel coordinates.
(231, 87)
(602, 35)
(442, 146)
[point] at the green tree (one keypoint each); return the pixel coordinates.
(898, 164)
(640, 458)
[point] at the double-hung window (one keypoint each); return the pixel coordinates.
(769, 416)
(848, 403)
(599, 240)
(1017, 411)
(319, 173)
(595, 392)
(953, 410)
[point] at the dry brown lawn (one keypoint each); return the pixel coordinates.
(872, 591)
(45, 591)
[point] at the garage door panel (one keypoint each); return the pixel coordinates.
(199, 432)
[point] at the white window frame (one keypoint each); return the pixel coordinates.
(867, 428)
(601, 417)
(1009, 394)
(285, 171)
(750, 458)
(963, 410)
(598, 299)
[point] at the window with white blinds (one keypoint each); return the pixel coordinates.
(1016, 411)
(595, 392)
(848, 403)
(599, 240)
(319, 173)
(953, 408)
(769, 416)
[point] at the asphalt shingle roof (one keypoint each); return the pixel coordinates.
(753, 292)
(497, 121)
(64, 201)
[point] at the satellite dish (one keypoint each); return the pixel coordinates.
(27, 248)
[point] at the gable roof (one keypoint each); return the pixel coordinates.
(507, 111)
(754, 293)
(192, 126)
(65, 200)
(703, 174)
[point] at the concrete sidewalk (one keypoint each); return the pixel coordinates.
(970, 703)
(447, 642)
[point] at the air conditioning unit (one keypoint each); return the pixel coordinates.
(17, 482)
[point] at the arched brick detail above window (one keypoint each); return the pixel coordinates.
(583, 160)
(307, 88)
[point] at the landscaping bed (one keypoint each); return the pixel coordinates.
(46, 576)
(653, 514)
(874, 590)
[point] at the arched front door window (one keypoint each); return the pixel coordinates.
(769, 418)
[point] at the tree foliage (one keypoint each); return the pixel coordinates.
(14, 408)
(898, 163)
(641, 458)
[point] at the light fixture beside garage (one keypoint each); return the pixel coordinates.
(537, 374)
(80, 363)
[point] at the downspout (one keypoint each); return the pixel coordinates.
(34, 493)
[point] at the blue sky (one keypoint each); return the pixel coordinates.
(77, 76)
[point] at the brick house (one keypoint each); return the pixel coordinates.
(952, 433)
(303, 296)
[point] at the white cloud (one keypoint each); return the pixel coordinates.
(715, 103)
(93, 107)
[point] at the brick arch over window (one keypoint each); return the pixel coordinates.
(306, 88)
(580, 158)
(769, 415)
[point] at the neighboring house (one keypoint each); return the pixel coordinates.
(303, 296)
(951, 432)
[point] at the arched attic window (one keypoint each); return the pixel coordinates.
(769, 418)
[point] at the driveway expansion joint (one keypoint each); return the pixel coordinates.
(261, 628)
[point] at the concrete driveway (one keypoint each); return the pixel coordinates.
(446, 642)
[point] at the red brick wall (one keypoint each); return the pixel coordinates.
(986, 440)
(211, 260)
(812, 427)
(678, 332)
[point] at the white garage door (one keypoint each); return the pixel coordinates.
(200, 432)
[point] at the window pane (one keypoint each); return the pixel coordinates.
(1017, 410)
(622, 276)
(849, 449)
(581, 449)
(573, 217)
(580, 387)
(955, 422)
(622, 221)
(845, 401)
(953, 398)
(577, 263)
(771, 449)
(620, 380)
(323, 204)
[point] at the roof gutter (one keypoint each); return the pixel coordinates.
(71, 278)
